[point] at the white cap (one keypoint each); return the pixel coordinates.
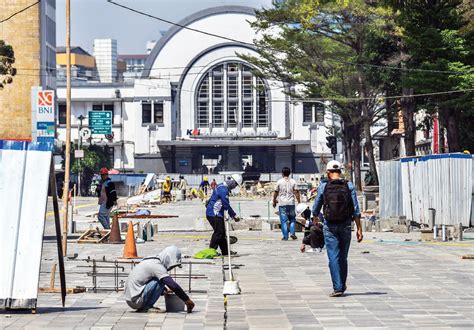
(300, 208)
(237, 178)
(334, 165)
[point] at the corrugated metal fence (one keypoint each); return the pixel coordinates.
(411, 186)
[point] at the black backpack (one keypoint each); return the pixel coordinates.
(337, 202)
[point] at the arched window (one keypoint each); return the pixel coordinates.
(229, 95)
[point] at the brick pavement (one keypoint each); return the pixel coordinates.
(392, 284)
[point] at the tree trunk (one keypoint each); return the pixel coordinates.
(356, 158)
(408, 111)
(367, 121)
(348, 150)
(452, 128)
(369, 149)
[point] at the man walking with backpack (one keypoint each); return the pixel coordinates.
(338, 198)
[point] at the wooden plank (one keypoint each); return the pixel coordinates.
(468, 256)
(58, 290)
(57, 223)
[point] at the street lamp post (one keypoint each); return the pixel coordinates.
(79, 175)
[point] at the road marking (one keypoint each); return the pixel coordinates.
(77, 207)
(364, 241)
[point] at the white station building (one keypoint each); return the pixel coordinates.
(199, 107)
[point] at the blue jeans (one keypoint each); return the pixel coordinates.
(153, 290)
(104, 216)
(338, 239)
(287, 213)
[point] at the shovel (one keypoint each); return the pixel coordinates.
(231, 287)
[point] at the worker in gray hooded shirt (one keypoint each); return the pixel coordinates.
(149, 279)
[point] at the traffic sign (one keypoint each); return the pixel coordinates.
(85, 133)
(100, 122)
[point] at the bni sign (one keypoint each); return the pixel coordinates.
(44, 111)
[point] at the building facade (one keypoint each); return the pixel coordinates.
(35, 61)
(198, 107)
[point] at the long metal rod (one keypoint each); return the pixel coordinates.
(67, 158)
(57, 223)
(228, 252)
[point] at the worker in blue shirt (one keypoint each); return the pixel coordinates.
(218, 204)
(338, 198)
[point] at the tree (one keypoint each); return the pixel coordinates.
(437, 38)
(323, 47)
(7, 59)
(95, 157)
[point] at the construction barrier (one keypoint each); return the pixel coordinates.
(412, 186)
(24, 179)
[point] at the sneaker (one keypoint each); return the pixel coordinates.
(344, 289)
(284, 239)
(336, 294)
(293, 237)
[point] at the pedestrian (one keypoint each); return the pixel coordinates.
(218, 204)
(166, 190)
(183, 186)
(313, 232)
(107, 197)
(204, 186)
(213, 184)
(150, 279)
(338, 198)
(285, 195)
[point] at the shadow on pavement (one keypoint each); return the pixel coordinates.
(365, 294)
(47, 310)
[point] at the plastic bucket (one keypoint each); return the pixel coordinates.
(173, 304)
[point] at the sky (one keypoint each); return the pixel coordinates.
(95, 19)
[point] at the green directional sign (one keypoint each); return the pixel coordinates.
(100, 122)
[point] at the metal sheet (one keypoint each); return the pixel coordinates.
(24, 172)
(30, 238)
(443, 182)
(13, 160)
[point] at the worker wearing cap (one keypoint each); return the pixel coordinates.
(218, 204)
(338, 199)
(107, 197)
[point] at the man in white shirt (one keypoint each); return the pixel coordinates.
(285, 195)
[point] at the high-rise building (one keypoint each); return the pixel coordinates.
(32, 34)
(105, 53)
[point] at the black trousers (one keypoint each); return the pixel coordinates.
(218, 238)
(315, 237)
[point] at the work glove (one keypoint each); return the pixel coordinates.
(236, 219)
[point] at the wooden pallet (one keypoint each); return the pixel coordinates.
(90, 236)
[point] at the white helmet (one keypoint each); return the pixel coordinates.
(300, 208)
(334, 165)
(237, 178)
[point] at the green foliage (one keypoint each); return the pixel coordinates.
(323, 48)
(7, 58)
(95, 157)
(438, 36)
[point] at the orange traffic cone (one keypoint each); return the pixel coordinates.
(130, 250)
(115, 237)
